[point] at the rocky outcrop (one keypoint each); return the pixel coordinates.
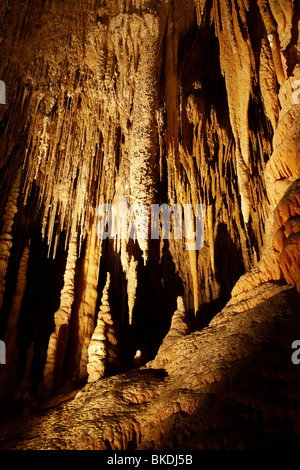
(230, 386)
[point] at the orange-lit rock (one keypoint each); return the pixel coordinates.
(102, 349)
(286, 239)
(290, 260)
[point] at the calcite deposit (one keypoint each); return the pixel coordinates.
(116, 339)
(102, 349)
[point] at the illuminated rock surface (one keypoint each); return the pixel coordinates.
(139, 103)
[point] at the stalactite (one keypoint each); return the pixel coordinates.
(267, 82)
(271, 30)
(282, 11)
(102, 350)
(142, 143)
(282, 167)
(235, 48)
(287, 236)
(296, 92)
(281, 177)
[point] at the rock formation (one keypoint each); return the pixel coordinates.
(102, 349)
(114, 108)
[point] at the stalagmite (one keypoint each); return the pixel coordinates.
(179, 327)
(6, 238)
(137, 358)
(102, 350)
(132, 281)
(11, 327)
(88, 301)
(8, 374)
(25, 383)
(179, 324)
(57, 343)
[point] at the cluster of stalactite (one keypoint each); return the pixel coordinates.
(138, 103)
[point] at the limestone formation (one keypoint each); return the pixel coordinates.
(58, 340)
(6, 234)
(287, 223)
(8, 374)
(111, 108)
(178, 328)
(88, 302)
(102, 349)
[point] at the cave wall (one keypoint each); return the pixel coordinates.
(160, 102)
